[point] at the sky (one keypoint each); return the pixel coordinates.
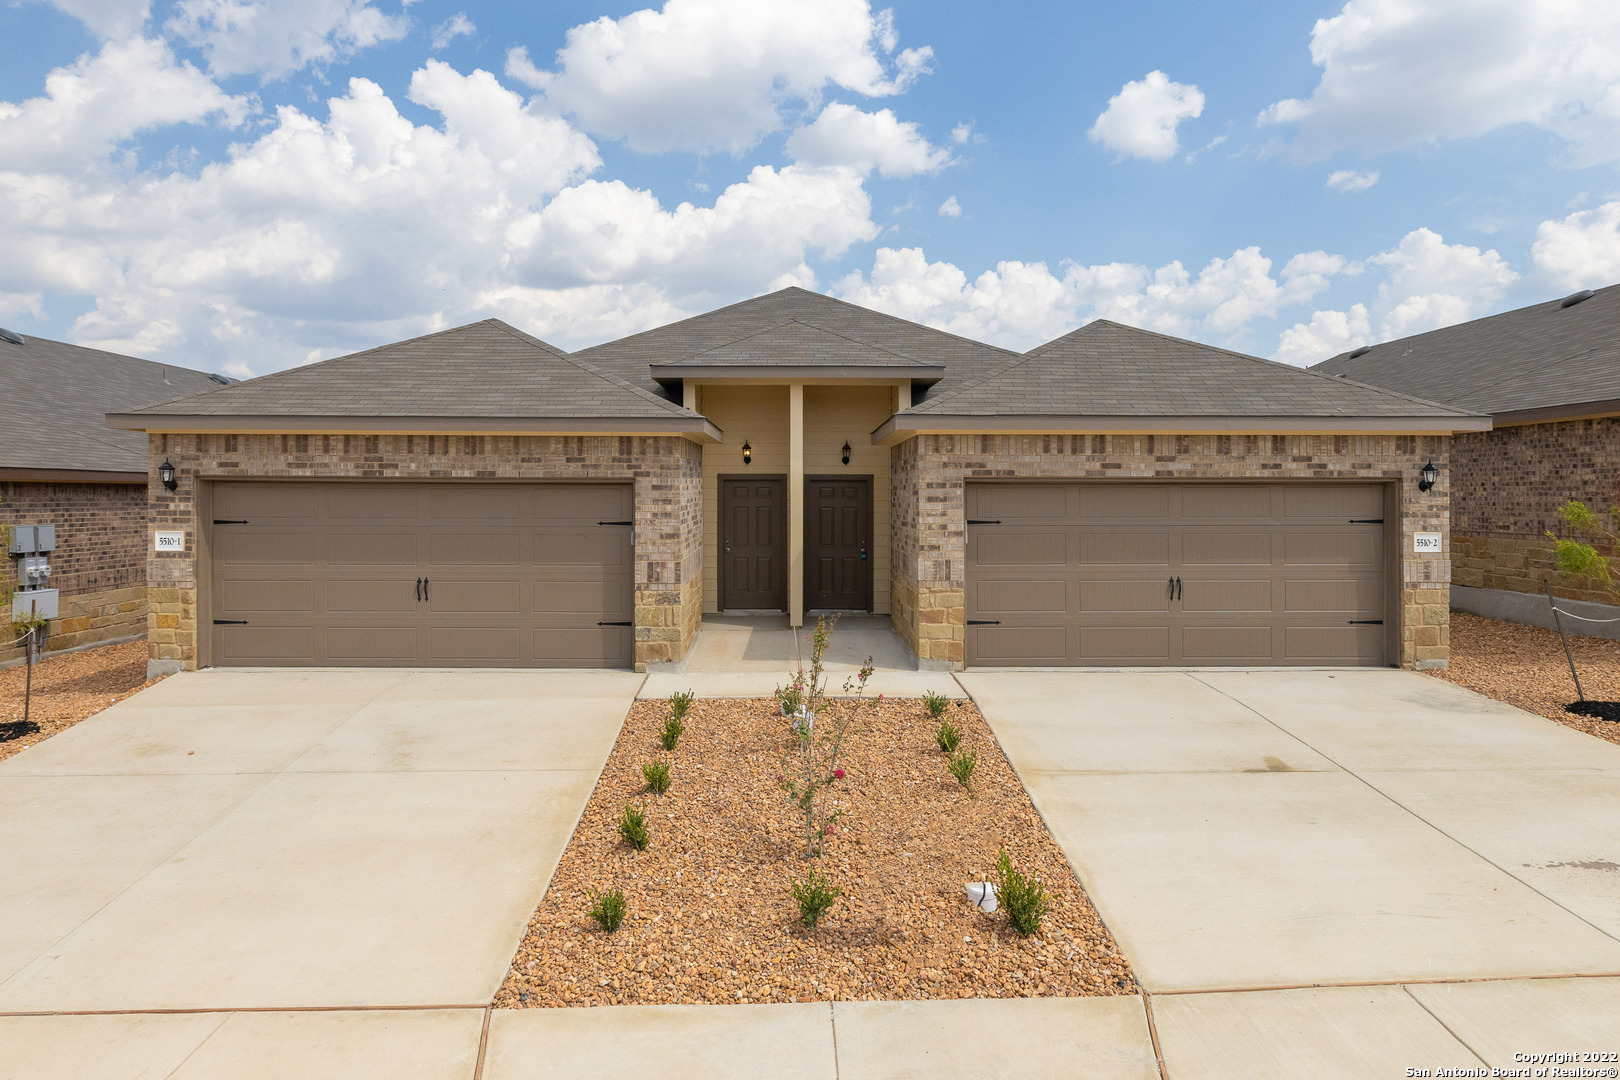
(243, 186)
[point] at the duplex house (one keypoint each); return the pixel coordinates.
(60, 465)
(1116, 497)
(1549, 376)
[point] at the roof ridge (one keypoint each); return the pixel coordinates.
(808, 326)
(118, 355)
(1020, 358)
(605, 376)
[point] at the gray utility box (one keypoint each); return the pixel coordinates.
(33, 571)
(36, 602)
(28, 539)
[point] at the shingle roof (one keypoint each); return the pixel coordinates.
(57, 396)
(631, 357)
(1537, 357)
(1107, 369)
(795, 343)
(487, 370)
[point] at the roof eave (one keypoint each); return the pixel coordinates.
(900, 427)
(72, 476)
(669, 375)
(1581, 410)
(696, 428)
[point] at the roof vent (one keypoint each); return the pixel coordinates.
(11, 336)
(1359, 352)
(1574, 298)
(222, 380)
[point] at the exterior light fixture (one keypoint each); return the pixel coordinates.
(748, 454)
(166, 474)
(846, 452)
(1428, 474)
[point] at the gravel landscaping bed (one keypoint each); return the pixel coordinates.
(710, 915)
(67, 689)
(1525, 667)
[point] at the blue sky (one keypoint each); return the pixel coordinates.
(244, 187)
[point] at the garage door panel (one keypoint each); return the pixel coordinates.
(267, 594)
(1125, 644)
(1150, 594)
(1024, 596)
(1021, 644)
(1313, 547)
(1229, 548)
(1125, 501)
(1228, 595)
(345, 596)
(264, 644)
(372, 548)
(237, 547)
(1144, 547)
(1361, 596)
(347, 572)
(1226, 644)
(1024, 549)
(1176, 573)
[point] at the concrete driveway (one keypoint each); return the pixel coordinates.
(264, 840)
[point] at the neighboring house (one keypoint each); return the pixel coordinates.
(477, 497)
(1549, 376)
(61, 465)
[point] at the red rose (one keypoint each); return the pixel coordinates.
(838, 773)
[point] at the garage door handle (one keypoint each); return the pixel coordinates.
(984, 622)
(615, 624)
(230, 622)
(1366, 521)
(425, 594)
(982, 521)
(228, 521)
(1178, 590)
(615, 523)
(1366, 622)
(418, 590)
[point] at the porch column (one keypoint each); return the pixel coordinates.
(689, 394)
(902, 395)
(795, 495)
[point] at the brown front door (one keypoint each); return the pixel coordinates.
(753, 541)
(1122, 574)
(838, 543)
(437, 575)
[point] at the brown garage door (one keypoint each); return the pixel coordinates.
(436, 575)
(1186, 574)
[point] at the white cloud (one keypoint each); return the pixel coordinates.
(1398, 73)
(961, 133)
(1582, 250)
(272, 38)
(1427, 284)
(108, 19)
(1329, 333)
(950, 208)
(452, 28)
(844, 135)
(1348, 180)
(1141, 119)
(717, 74)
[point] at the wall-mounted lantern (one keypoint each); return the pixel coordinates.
(1427, 476)
(846, 453)
(748, 454)
(166, 474)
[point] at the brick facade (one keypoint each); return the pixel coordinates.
(1507, 486)
(666, 472)
(929, 472)
(99, 564)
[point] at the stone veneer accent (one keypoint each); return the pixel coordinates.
(666, 472)
(1506, 488)
(99, 564)
(930, 530)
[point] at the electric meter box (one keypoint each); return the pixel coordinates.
(35, 602)
(27, 539)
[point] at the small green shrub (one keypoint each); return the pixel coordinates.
(680, 703)
(961, 766)
(1022, 897)
(936, 704)
(948, 736)
(814, 895)
(633, 826)
(671, 733)
(656, 773)
(607, 908)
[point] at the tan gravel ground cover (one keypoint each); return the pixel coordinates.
(711, 918)
(1525, 667)
(69, 688)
